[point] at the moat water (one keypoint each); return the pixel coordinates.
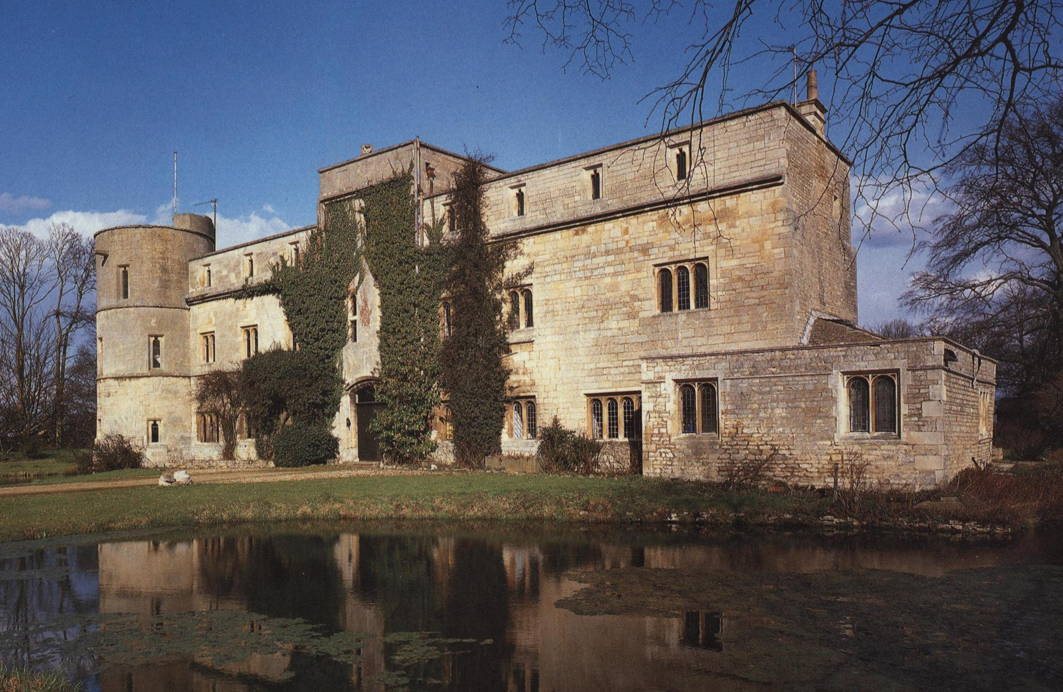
(410, 607)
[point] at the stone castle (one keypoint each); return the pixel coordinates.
(688, 298)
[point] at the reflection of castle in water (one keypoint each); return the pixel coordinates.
(461, 588)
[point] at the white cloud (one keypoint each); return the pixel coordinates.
(84, 222)
(232, 231)
(10, 203)
(268, 209)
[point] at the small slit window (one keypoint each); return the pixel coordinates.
(529, 319)
(595, 182)
(680, 164)
(123, 281)
(155, 352)
(665, 284)
(514, 310)
(701, 286)
(249, 263)
(519, 201)
(446, 319)
(154, 434)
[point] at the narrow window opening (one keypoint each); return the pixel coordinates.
(596, 419)
(885, 404)
(520, 201)
(518, 421)
(250, 341)
(596, 183)
(207, 276)
(208, 348)
(514, 310)
(124, 274)
(353, 331)
(614, 423)
(155, 351)
(682, 286)
(250, 266)
(708, 409)
(530, 422)
(629, 419)
(689, 408)
(665, 282)
(452, 224)
(859, 405)
(529, 320)
(446, 320)
(701, 286)
(153, 432)
(680, 164)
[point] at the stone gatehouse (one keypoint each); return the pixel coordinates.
(689, 298)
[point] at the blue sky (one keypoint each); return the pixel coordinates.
(256, 96)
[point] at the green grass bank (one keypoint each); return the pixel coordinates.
(973, 503)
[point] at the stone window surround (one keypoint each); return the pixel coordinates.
(518, 193)
(671, 160)
(154, 426)
(209, 352)
(155, 357)
(123, 282)
(523, 401)
(249, 339)
(691, 266)
(844, 377)
(677, 418)
(524, 296)
(604, 398)
(208, 429)
(588, 175)
(207, 278)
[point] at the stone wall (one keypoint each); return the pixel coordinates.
(791, 404)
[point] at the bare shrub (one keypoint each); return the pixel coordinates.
(115, 452)
(748, 473)
(562, 450)
(852, 485)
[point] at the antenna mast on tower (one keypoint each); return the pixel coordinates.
(215, 203)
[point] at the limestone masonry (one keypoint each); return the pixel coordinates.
(689, 298)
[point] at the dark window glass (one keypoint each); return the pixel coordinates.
(689, 403)
(708, 409)
(596, 184)
(125, 283)
(614, 420)
(154, 431)
(156, 352)
(596, 419)
(701, 286)
(446, 319)
(859, 405)
(250, 266)
(682, 288)
(665, 281)
(530, 422)
(520, 202)
(208, 275)
(514, 310)
(885, 404)
(629, 419)
(529, 320)
(680, 165)
(451, 223)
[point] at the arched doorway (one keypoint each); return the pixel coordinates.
(366, 408)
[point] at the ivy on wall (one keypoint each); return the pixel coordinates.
(409, 282)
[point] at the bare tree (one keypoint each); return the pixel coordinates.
(73, 261)
(897, 329)
(218, 394)
(996, 261)
(26, 279)
(903, 71)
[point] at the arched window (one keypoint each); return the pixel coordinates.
(531, 425)
(682, 288)
(708, 409)
(596, 419)
(665, 282)
(518, 421)
(514, 310)
(529, 320)
(446, 320)
(859, 405)
(885, 404)
(680, 164)
(153, 432)
(689, 410)
(630, 430)
(701, 286)
(614, 420)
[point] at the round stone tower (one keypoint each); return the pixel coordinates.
(144, 389)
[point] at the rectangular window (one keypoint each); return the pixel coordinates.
(679, 161)
(699, 409)
(352, 312)
(295, 253)
(519, 201)
(616, 416)
(206, 276)
(872, 402)
(249, 260)
(123, 281)
(250, 335)
(594, 182)
(155, 352)
(208, 347)
(154, 432)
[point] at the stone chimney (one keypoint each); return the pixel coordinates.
(366, 149)
(811, 108)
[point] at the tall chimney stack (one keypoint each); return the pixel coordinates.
(811, 109)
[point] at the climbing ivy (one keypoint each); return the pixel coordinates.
(409, 282)
(473, 372)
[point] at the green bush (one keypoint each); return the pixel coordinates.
(112, 453)
(564, 451)
(303, 445)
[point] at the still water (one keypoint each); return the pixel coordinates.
(522, 610)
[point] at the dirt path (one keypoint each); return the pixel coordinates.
(261, 475)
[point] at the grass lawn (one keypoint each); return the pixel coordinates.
(482, 496)
(57, 466)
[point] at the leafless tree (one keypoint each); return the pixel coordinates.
(218, 394)
(26, 279)
(898, 329)
(73, 260)
(902, 71)
(996, 262)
